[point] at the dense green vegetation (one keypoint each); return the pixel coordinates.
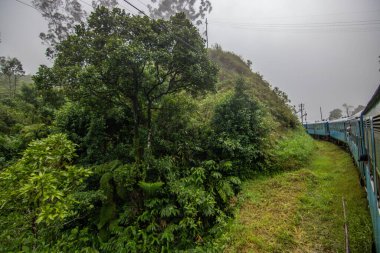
(133, 141)
(301, 210)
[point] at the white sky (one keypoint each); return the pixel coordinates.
(320, 52)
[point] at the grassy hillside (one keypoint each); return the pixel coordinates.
(233, 66)
(301, 211)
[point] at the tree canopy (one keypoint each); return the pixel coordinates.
(348, 109)
(195, 10)
(335, 114)
(11, 68)
(130, 62)
(63, 15)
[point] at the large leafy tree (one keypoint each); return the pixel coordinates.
(130, 62)
(335, 114)
(12, 69)
(348, 108)
(62, 16)
(195, 10)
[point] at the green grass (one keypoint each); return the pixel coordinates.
(301, 211)
(292, 150)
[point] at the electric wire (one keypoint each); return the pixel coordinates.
(161, 25)
(26, 4)
(86, 3)
(358, 25)
(348, 14)
(144, 4)
(302, 29)
(334, 23)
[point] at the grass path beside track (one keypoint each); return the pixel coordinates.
(301, 211)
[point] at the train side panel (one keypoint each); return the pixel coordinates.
(371, 160)
(338, 130)
(318, 129)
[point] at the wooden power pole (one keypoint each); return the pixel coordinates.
(320, 109)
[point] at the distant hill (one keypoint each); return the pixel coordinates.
(233, 66)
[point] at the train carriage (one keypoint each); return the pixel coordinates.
(354, 137)
(338, 129)
(318, 128)
(371, 159)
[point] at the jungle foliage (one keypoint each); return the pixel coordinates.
(133, 141)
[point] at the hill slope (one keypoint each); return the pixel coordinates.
(232, 67)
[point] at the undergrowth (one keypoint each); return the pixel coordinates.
(292, 150)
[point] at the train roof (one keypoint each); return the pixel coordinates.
(356, 115)
(373, 102)
(338, 120)
(314, 123)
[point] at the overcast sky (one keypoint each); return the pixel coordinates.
(320, 52)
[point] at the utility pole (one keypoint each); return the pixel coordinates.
(320, 109)
(302, 112)
(206, 33)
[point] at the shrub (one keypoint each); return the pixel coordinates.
(240, 132)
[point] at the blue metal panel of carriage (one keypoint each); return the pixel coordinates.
(338, 130)
(372, 201)
(338, 135)
(309, 128)
(320, 128)
(372, 188)
(371, 146)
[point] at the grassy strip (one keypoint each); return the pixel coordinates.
(301, 211)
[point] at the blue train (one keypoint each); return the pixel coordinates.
(361, 134)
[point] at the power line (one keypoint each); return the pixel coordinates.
(319, 15)
(139, 10)
(304, 29)
(358, 25)
(309, 24)
(26, 4)
(161, 25)
(142, 12)
(125, 7)
(86, 3)
(143, 3)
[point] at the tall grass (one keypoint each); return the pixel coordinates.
(291, 151)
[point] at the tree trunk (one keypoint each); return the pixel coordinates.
(136, 130)
(149, 113)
